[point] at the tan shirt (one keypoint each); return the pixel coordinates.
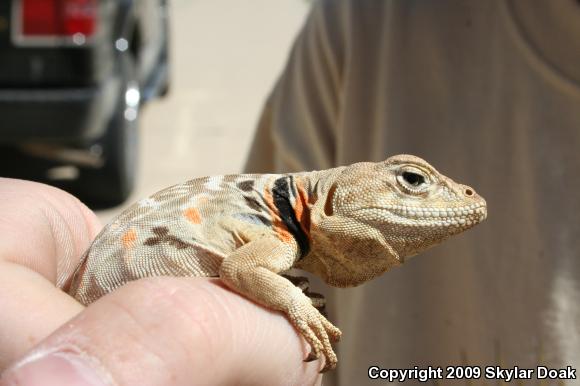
(489, 93)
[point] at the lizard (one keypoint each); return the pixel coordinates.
(346, 225)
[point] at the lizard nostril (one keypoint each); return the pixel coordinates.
(469, 192)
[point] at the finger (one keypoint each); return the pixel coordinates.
(31, 309)
(43, 228)
(43, 232)
(177, 331)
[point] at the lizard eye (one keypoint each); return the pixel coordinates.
(413, 180)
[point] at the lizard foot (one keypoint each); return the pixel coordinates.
(317, 331)
(317, 300)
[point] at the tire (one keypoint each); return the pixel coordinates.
(165, 87)
(113, 182)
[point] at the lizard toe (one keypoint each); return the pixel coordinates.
(330, 362)
(322, 334)
(316, 330)
(310, 337)
(333, 332)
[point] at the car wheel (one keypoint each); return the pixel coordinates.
(165, 88)
(112, 183)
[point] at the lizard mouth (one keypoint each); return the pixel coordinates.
(460, 217)
(468, 211)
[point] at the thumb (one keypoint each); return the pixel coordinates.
(177, 331)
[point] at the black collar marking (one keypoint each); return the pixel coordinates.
(281, 195)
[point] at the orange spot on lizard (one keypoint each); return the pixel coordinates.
(128, 238)
(193, 215)
(301, 208)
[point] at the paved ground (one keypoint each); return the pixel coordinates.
(226, 57)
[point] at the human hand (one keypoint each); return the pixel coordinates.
(155, 331)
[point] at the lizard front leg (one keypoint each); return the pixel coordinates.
(252, 270)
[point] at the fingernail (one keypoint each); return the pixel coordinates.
(51, 370)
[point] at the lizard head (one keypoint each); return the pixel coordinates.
(411, 204)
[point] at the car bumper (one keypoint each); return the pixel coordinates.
(66, 115)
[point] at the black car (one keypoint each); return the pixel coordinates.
(73, 76)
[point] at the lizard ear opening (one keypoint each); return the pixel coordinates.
(328, 207)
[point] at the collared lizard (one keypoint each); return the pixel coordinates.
(346, 225)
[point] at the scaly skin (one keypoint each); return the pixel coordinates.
(346, 225)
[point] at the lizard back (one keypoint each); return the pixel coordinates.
(184, 230)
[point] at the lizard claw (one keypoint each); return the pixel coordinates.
(316, 330)
(326, 368)
(311, 357)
